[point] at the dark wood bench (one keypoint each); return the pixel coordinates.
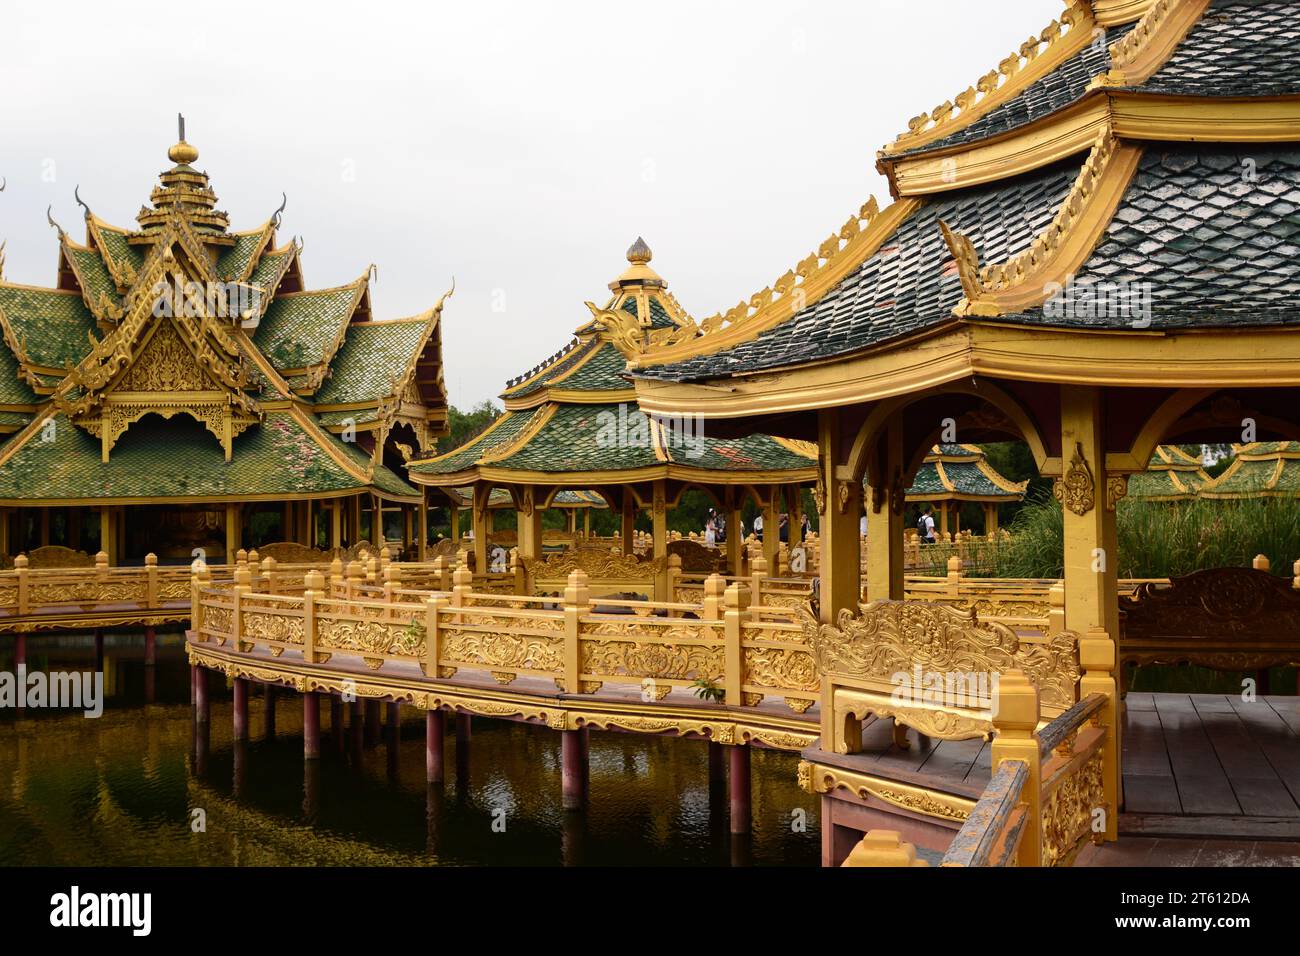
(1226, 619)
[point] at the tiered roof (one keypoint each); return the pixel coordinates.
(1172, 475)
(962, 473)
(573, 419)
(180, 361)
(1266, 469)
(1073, 170)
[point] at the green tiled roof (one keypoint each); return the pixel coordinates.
(371, 357)
(505, 430)
(233, 262)
(601, 373)
(180, 458)
(555, 366)
(659, 318)
(1261, 470)
(268, 268)
(114, 245)
(751, 453)
(95, 277)
(953, 472)
(586, 438)
(51, 326)
(360, 416)
(298, 330)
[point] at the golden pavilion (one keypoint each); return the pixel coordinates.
(1265, 469)
(1091, 249)
(1171, 475)
(180, 390)
(572, 423)
(954, 474)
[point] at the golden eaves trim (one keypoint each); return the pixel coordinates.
(476, 440)
(571, 397)
(1111, 13)
(1029, 278)
(821, 272)
(1128, 114)
(1205, 358)
(1036, 57)
(1136, 57)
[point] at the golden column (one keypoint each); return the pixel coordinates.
(628, 531)
(1088, 502)
(530, 523)
(885, 519)
(839, 505)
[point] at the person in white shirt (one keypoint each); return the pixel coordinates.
(925, 526)
(862, 527)
(758, 527)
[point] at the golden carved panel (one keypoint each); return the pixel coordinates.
(891, 637)
(1068, 812)
(504, 651)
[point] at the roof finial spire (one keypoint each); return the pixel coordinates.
(639, 251)
(182, 153)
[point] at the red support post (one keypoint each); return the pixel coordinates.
(573, 770)
(741, 805)
(202, 697)
(435, 725)
(241, 709)
(150, 647)
(311, 725)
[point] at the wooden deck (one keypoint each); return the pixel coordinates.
(1212, 765)
(1195, 765)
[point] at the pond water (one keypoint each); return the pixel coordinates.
(122, 789)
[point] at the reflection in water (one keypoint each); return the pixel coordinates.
(121, 789)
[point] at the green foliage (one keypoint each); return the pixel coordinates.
(1157, 539)
(467, 425)
(709, 690)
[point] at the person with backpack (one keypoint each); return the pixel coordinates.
(925, 526)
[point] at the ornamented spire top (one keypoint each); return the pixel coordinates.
(638, 272)
(182, 153)
(639, 252)
(185, 191)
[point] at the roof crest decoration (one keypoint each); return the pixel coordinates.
(963, 107)
(789, 289)
(1026, 272)
(1136, 56)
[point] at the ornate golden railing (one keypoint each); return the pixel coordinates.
(1054, 786)
(580, 642)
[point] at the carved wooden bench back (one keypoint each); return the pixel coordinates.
(698, 559)
(866, 657)
(55, 556)
(1223, 618)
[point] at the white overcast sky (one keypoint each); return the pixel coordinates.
(518, 146)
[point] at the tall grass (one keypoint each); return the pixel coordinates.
(1156, 539)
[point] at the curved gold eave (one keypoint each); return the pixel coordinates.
(1206, 358)
(582, 479)
(1056, 136)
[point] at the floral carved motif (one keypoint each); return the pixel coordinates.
(1076, 490)
(891, 637)
(1067, 811)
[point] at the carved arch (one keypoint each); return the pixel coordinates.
(883, 412)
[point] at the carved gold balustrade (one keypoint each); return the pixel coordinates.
(1054, 787)
(580, 642)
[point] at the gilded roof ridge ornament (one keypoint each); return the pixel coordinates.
(76, 194)
(960, 109)
(1136, 56)
(275, 217)
(2, 259)
(983, 285)
(788, 286)
(49, 217)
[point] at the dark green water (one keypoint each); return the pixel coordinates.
(121, 789)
